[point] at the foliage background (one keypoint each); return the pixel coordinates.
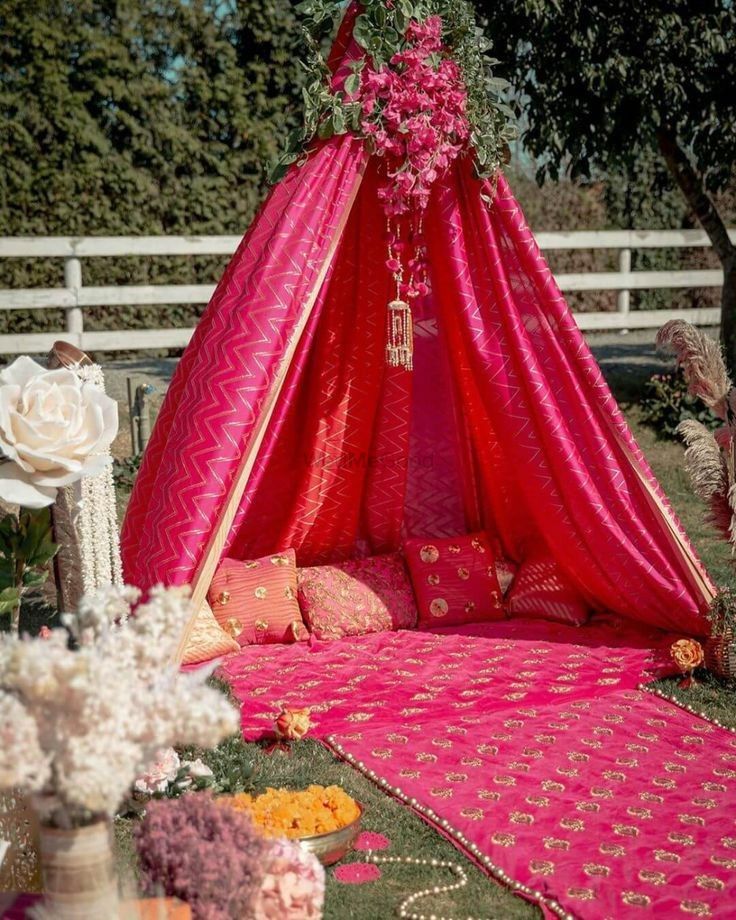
(164, 116)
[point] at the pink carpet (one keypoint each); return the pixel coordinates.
(537, 756)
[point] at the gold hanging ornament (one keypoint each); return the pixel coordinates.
(400, 340)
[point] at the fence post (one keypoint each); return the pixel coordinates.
(623, 299)
(74, 315)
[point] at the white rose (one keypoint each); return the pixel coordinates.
(54, 429)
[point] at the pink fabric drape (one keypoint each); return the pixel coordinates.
(529, 374)
(225, 376)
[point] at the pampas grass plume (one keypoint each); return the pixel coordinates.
(701, 360)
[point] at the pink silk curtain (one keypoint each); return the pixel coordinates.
(560, 462)
(225, 376)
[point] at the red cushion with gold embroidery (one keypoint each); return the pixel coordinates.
(454, 580)
(255, 600)
(541, 590)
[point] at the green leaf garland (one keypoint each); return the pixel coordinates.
(380, 30)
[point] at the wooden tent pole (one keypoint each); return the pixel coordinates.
(206, 569)
(698, 577)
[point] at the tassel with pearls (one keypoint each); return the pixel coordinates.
(400, 342)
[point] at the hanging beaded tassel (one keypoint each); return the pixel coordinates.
(400, 341)
(400, 331)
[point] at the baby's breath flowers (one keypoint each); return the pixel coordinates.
(83, 719)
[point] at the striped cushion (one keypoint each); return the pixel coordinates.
(542, 591)
(255, 600)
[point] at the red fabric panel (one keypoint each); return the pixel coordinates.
(550, 409)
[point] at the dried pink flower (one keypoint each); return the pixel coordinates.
(209, 856)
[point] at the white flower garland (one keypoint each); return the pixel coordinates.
(96, 520)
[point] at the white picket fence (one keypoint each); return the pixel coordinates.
(74, 297)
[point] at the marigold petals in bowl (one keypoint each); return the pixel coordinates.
(324, 820)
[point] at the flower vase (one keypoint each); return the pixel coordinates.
(78, 871)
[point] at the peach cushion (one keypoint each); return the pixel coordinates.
(255, 600)
(454, 580)
(357, 597)
(207, 639)
(542, 591)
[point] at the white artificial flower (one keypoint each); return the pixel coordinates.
(103, 712)
(22, 762)
(54, 429)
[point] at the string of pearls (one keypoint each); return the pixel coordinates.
(97, 519)
(655, 691)
(405, 908)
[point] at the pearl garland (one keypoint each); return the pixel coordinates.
(97, 520)
(406, 904)
(691, 709)
(473, 849)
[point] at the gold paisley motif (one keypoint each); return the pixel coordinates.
(635, 899)
(554, 843)
(475, 814)
(666, 856)
(709, 883)
(697, 908)
(581, 894)
(503, 840)
(612, 849)
(542, 866)
(652, 878)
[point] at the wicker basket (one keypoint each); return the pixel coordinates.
(720, 655)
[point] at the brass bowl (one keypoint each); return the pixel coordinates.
(333, 846)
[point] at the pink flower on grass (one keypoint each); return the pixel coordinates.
(293, 887)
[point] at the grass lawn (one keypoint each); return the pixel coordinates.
(310, 763)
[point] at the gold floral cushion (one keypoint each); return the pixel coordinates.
(254, 600)
(455, 580)
(357, 597)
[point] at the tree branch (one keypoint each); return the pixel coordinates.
(691, 186)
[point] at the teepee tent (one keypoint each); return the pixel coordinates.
(286, 426)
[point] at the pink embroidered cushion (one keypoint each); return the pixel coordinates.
(454, 580)
(542, 591)
(207, 639)
(356, 597)
(255, 600)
